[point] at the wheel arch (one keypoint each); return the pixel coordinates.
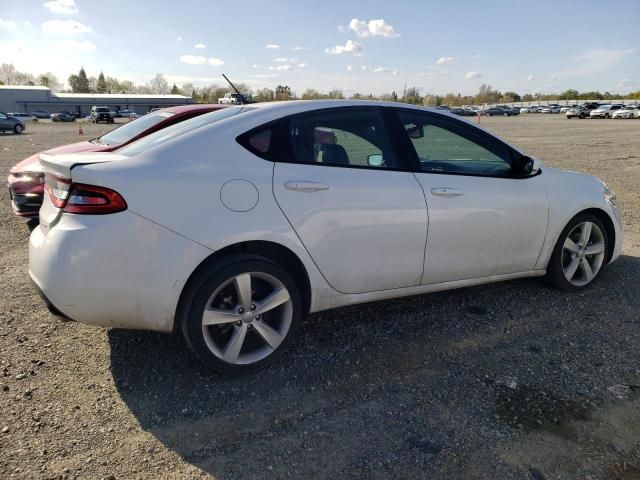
(273, 251)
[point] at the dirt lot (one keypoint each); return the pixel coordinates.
(510, 380)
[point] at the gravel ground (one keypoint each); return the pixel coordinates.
(510, 380)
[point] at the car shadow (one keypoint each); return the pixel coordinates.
(395, 388)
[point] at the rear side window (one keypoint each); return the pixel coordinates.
(342, 137)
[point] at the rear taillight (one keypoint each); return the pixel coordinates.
(58, 189)
(83, 199)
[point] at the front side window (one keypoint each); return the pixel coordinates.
(442, 149)
(342, 138)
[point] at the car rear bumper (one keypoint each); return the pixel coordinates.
(117, 270)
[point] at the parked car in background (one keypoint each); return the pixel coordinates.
(230, 99)
(493, 111)
(263, 238)
(41, 114)
(101, 114)
(628, 111)
(463, 112)
(550, 109)
(604, 111)
(123, 113)
(10, 124)
(26, 179)
(63, 117)
(581, 111)
(566, 108)
(23, 117)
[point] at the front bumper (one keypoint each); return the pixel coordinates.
(26, 193)
(117, 270)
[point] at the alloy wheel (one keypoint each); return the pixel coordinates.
(247, 318)
(583, 253)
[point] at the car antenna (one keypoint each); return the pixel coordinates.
(242, 98)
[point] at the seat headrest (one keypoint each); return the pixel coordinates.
(333, 153)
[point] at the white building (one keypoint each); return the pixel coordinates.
(25, 99)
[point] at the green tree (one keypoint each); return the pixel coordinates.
(283, 92)
(265, 95)
(515, 97)
(83, 81)
(412, 95)
(101, 84)
(175, 90)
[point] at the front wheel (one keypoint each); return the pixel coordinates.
(579, 254)
(239, 314)
(18, 129)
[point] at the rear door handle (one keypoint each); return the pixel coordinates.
(303, 186)
(446, 192)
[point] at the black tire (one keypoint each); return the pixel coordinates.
(203, 286)
(18, 129)
(582, 116)
(555, 275)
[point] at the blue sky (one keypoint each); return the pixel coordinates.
(363, 46)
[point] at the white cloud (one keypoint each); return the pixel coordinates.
(552, 77)
(199, 45)
(351, 47)
(445, 60)
(372, 28)
(77, 45)
(64, 27)
(303, 65)
(531, 77)
(281, 67)
(472, 75)
(378, 69)
(179, 38)
(297, 48)
(479, 56)
(255, 65)
(8, 24)
(65, 7)
(594, 61)
(341, 28)
(285, 60)
(265, 75)
(199, 60)
(272, 46)
(349, 68)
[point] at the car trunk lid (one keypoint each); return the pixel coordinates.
(58, 181)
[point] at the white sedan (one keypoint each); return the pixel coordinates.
(232, 226)
(629, 111)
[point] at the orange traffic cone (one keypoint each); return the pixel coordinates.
(80, 132)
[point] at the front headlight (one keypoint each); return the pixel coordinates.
(609, 196)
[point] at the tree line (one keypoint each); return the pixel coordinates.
(81, 83)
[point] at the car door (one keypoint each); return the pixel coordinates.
(356, 207)
(5, 124)
(484, 218)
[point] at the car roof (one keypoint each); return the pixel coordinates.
(194, 107)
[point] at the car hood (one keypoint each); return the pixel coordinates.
(32, 163)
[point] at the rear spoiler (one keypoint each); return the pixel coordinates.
(62, 165)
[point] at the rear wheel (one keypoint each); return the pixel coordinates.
(18, 129)
(241, 313)
(579, 254)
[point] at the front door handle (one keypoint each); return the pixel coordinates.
(446, 192)
(303, 186)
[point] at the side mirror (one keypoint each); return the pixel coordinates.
(416, 132)
(530, 166)
(375, 160)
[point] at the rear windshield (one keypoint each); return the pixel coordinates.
(134, 128)
(173, 131)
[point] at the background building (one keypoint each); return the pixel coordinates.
(29, 98)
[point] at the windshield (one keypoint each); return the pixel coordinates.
(129, 130)
(169, 133)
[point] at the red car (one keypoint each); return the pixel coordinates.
(26, 179)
